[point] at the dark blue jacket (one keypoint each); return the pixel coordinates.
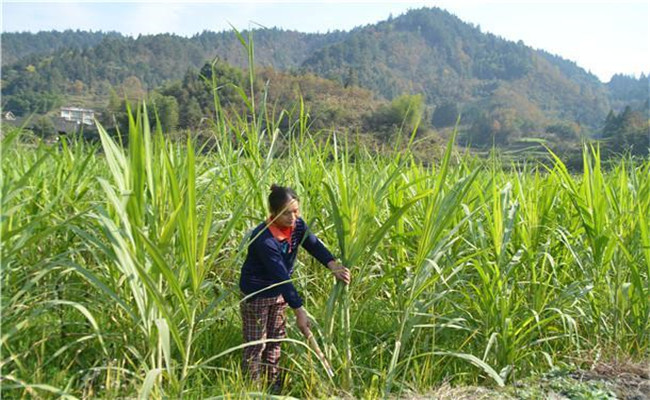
(269, 262)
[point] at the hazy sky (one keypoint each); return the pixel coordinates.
(604, 37)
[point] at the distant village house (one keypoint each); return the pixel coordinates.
(79, 115)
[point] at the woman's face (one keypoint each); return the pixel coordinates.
(288, 215)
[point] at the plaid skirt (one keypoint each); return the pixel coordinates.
(263, 318)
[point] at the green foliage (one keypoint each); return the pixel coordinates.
(26, 102)
(191, 114)
(445, 115)
(164, 109)
(629, 91)
(407, 109)
(564, 383)
(17, 45)
(628, 131)
(565, 131)
(485, 131)
(44, 127)
(194, 94)
(403, 114)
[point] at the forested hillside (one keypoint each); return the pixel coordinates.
(505, 91)
(17, 45)
(432, 52)
(42, 80)
(629, 91)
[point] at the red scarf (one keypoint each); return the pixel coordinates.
(280, 233)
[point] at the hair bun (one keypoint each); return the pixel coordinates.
(280, 197)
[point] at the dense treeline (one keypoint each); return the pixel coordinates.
(627, 90)
(17, 45)
(189, 103)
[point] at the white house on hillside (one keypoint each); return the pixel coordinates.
(79, 115)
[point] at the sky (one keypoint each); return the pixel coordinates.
(603, 37)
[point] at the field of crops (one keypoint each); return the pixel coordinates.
(120, 264)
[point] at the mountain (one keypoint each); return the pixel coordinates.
(504, 90)
(432, 52)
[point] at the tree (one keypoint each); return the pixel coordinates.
(445, 114)
(404, 112)
(166, 110)
(351, 79)
(407, 110)
(494, 128)
(44, 127)
(18, 105)
(226, 78)
(132, 89)
(190, 114)
(628, 131)
(78, 87)
(566, 131)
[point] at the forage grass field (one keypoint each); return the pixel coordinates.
(120, 265)
(120, 262)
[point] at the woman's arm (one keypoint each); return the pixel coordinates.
(318, 250)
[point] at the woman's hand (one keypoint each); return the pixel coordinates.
(340, 272)
(302, 321)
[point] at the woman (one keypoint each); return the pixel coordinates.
(265, 281)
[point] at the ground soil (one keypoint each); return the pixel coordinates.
(628, 380)
(625, 381)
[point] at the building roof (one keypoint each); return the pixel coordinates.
(77, 109)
